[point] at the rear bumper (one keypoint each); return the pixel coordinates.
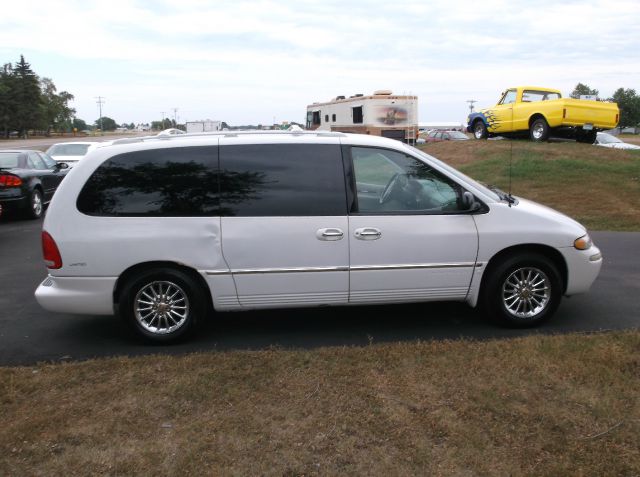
(85, 295)
(13, 203)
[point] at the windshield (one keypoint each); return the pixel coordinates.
(604, 138)
(457, 174)
(68, 150)
(9, 160)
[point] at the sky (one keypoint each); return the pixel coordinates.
(256, 62)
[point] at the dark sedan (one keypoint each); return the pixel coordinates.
(28, 180)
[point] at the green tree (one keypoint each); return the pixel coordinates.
(629, 104)
(583, 89)
(107, 123)
(55, 106)
(8, 103)
(79, 124)
(26, 92)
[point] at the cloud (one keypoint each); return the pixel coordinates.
(246, 61)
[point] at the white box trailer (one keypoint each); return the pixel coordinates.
(203, 126)
(380, 114)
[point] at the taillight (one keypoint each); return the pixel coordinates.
(9, 180)
(50, 252)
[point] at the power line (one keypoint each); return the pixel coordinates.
(100, 102)
(471, 103)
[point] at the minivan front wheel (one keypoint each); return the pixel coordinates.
(522, 291)
(162, 305)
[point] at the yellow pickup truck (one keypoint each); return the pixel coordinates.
(540, 111)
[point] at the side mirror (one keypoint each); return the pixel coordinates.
(469, 202)
(62, 165)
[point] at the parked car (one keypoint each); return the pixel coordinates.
(539, 111)
(437, 136)
(28, 180)
(166, 231)
(609, 140)
(71, 152)
(171, 132)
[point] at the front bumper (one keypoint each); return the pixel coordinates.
(81, 295)
(583, 267)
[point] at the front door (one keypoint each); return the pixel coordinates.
(410, 240)
(500, 117)
(284, 222)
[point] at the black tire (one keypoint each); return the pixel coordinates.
(36, 206)
(480, 130)
(539, 130)
(521, 291)
(162, 304)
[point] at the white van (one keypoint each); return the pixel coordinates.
(166, 230)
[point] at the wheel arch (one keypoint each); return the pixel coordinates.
(535, 116)
(548, 252)
(141, 267)
(475, 120)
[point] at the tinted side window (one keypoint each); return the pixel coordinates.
(175, 182)
(282, 180)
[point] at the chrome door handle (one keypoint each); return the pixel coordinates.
(368, 233)
(329, 234)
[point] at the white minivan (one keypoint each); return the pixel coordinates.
(165, 231)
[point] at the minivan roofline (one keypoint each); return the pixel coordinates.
(173, 137)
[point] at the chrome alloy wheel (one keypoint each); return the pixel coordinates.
(36, 204)
(478, 130)
(538, 131)
(526, 292)
(161, 307)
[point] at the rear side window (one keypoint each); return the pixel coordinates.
(174, 182)
(282, 180)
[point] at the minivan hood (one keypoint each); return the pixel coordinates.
(548, 213)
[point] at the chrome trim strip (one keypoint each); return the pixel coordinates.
(248, 271)
(414, 266)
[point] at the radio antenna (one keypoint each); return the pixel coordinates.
(510, 164)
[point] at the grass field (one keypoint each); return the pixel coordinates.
(562, 405)
(540, 406)
(597, 186)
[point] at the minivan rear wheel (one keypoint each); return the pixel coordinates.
(162, 305)
(522, 291)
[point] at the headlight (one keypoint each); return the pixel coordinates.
(583, 243)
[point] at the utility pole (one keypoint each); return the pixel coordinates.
(471, 103)
(162, 123)
(100, 102)
(175, 117)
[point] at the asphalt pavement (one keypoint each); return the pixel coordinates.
(29, 334)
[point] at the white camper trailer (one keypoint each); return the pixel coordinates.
(380, 114)
(203, 126)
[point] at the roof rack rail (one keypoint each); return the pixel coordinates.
(228, 134)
